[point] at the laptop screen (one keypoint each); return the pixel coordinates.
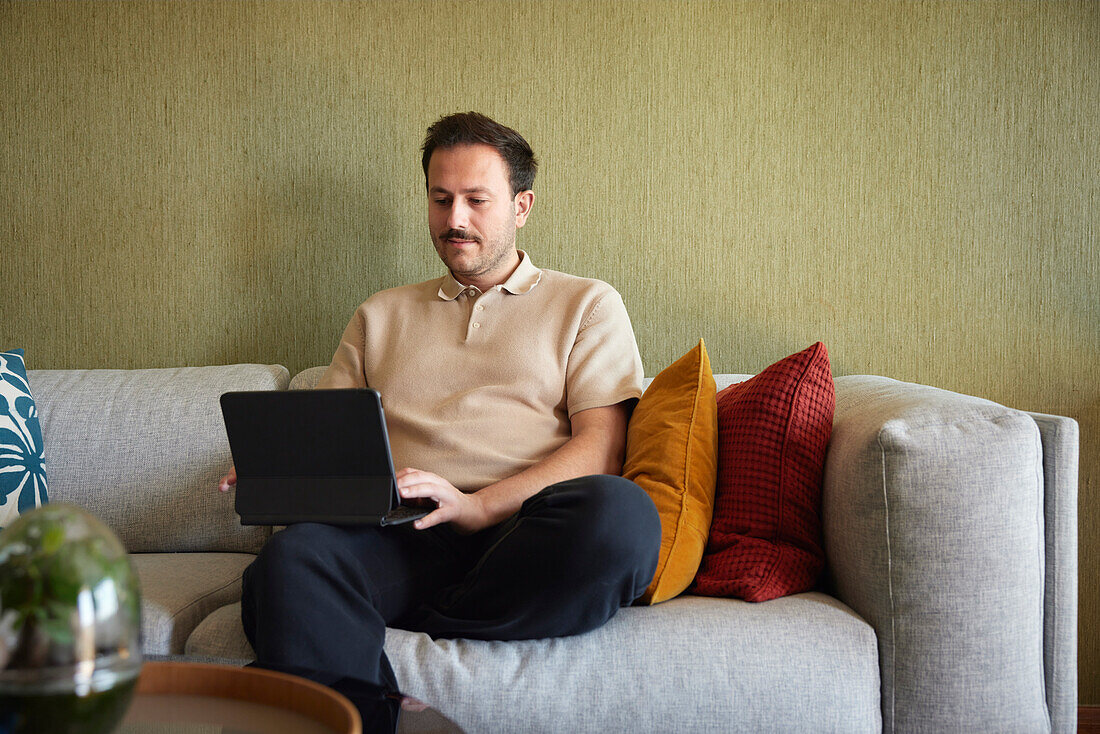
(307, 433)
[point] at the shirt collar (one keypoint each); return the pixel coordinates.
(525, 277)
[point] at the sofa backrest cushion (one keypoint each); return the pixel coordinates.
(308, 378)
(143, 451)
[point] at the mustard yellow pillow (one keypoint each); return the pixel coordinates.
(672, 453)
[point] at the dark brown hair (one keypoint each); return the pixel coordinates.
(472, 128)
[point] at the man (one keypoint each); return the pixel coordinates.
(507, 391)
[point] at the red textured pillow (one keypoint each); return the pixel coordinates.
(765, 538)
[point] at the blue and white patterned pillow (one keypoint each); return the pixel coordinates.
(22, 472)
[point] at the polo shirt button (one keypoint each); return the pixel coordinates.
(477, 326)
(480, 307)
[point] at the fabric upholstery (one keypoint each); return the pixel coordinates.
(765, 539)
(308, 378)
(802, 663)
(933, 518)
(22, 455)
(672, 453)
(719, 654)
(722, 381)
(180, 589)
(221, 635)
(1060, 437)
(143, 451)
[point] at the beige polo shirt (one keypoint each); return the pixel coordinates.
(479, 386)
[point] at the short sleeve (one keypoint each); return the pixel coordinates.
(346, 368)
(604, 365)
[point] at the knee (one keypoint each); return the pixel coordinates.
(615, 520)
(622, 504)
(286, 555)
(295, 542)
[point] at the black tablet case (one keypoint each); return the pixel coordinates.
(310, 456)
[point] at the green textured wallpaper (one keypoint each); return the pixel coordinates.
(915, 184)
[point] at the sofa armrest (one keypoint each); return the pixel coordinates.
(1061, 444)
(934, 530)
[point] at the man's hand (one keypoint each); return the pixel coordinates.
(229, 480)
(464, 511)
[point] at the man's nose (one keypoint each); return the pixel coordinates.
(459, 216)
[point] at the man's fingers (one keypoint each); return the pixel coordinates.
(415, 484)
(440, 515)
(429, 520)
(425, 485)
(228, 480)
(417, 474)
(423, 490)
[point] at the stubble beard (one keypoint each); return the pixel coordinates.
(500, 248)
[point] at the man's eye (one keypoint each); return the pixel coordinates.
(478, 201)
(442, 202)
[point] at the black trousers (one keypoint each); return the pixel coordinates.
(320, 597)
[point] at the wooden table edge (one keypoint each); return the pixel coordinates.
(267, 687)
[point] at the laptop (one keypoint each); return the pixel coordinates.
(313, 456)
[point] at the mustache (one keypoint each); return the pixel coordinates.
(459, 234)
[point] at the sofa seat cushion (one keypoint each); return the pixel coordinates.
(220, 636)
(799, 663)
(180, 589)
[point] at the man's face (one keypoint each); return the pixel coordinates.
(472, 214)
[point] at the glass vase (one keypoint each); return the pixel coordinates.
(70, 624)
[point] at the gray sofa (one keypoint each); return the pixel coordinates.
(949, 603)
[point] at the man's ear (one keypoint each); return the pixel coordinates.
(523, 202)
